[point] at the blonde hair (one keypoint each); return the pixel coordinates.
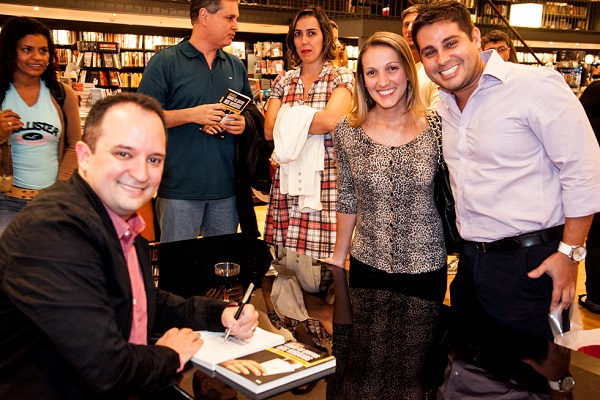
(362, 102)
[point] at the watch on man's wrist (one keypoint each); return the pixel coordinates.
(575, 253)
(566, 384)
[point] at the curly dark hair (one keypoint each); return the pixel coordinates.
(14, 30)
(329, 48)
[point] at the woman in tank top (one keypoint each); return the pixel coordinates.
(37, 135)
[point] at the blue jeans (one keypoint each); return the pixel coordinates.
(9, 207)
(186, 219)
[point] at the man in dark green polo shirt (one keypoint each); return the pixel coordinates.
(197, 193)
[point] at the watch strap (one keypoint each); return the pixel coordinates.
(554, 385)
(565, 249)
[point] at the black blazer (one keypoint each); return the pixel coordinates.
(66, 305)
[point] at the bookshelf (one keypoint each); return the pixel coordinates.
(137, 44)
(120, 63)
(269, 58)
(562, 15)
(99, 63)
(352, 52)
(265, 62)
(488, 16)
(566, 15)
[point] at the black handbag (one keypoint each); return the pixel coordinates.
(442, 194)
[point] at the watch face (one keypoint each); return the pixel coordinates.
(567, 384)
(579, 253)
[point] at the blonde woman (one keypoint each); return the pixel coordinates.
(387, 158)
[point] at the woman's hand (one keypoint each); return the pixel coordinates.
(10, 121)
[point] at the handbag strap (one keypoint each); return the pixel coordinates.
(436, 125)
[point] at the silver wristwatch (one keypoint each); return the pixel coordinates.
(575, 253)
(566, 384)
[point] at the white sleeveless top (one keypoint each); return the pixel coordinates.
(35, 146)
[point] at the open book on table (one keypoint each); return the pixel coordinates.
(286, 364)
(216, 350)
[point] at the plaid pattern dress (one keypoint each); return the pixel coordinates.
(313, 233)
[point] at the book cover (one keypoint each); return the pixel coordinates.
(234, 102)
(114, 78)
(94, 77)
(87, 59)
(215, 349)
(116, 60)
(279, 365)
(108, 60)
(104, 78)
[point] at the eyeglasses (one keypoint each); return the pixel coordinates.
(502, 49)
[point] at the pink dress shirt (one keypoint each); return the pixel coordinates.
(127, 232)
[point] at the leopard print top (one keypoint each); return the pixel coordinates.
(398, 228)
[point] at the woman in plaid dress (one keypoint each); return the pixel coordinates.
(314, 82)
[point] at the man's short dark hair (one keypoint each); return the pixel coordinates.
(416, 9)
(93, 122)
(212, 6)
(451, 11)
(495, 36)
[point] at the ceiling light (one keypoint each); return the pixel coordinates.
(526, 14)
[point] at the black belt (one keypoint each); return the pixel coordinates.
(537, 238)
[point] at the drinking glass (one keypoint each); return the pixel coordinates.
(227, 274)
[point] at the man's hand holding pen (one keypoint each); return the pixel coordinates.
(245, 325)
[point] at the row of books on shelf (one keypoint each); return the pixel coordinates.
(64, 56)
(100, 78)
(135, 58)
(268, 67)
(268, 49)
(64, 37)
(111, 78)
(130, 79)
(352, 65)
(108, 60)
(565, 9)
(131, 41)
(487, 9)
(527, 58)
(490, 20)
(559, 22)
(125, 40)
(352, 51)
(90, 59)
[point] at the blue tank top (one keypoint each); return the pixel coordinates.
(35, 146)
